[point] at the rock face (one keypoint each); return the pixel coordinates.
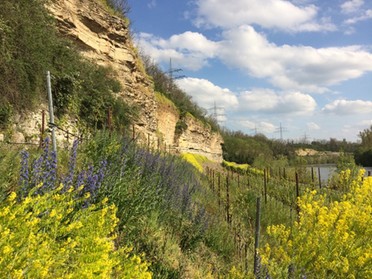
(186, 134)
(168, 117)
(105, 39)
(200, 139)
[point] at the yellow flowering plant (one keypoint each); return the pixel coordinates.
(58, 235)
(329, 240)
(195, 159)
(242, 168)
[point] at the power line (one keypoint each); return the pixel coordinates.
(281, 130)
(216, 114)
(171, 75)
(306, 138)
(172, 70)
(255, 129)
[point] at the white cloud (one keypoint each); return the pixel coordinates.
(312, 126)
(255, 127)
(292, 67)
(249, 124)
(268, 101)
(151, 4)
(190, 42)
(267, 127)
(278, 14)
(346, 107)
(190, 49)
(206, 94)
(351, 6)
(366, 123)
(365, 16)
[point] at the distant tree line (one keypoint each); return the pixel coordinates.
(259, 150)
(363, 154)
(255, 150)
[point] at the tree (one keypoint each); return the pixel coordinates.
(363, 155)
(366, 137)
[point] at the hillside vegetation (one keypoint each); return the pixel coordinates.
(156, 215)
(109, 207)
(30, 47)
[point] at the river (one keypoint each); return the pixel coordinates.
(326, 171)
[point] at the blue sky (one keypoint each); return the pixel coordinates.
(305, 65)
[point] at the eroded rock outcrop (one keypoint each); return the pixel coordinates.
(105, 39)
(199, 138)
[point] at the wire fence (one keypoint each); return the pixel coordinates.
(43, 132)
(46, 128)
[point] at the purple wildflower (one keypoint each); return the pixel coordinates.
(101, 171)
(45, 154)
(36, 172)
(93, 180)
(50, 171)
(80, 179)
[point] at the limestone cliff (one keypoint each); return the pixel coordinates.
(199, 138)
(105, 39)
(185, 133)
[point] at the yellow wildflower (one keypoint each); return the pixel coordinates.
(12, 196)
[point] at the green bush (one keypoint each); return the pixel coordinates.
(28, 40)
(30, 45)
(5, 115)
(57, 235)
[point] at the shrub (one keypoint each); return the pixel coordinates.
(241, 168)
(330, 240)
(30, 45)
(54, 235)
(196, 160)
(5, 114)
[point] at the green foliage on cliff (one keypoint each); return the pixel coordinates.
(30, 46)
(363, 154)
(166, 86)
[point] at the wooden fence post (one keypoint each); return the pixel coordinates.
(312, 174)
(320, 179)
(257, 236)
(219, 190)
(265, 185)
(297, 195)
(228, 218)
(213, 180)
